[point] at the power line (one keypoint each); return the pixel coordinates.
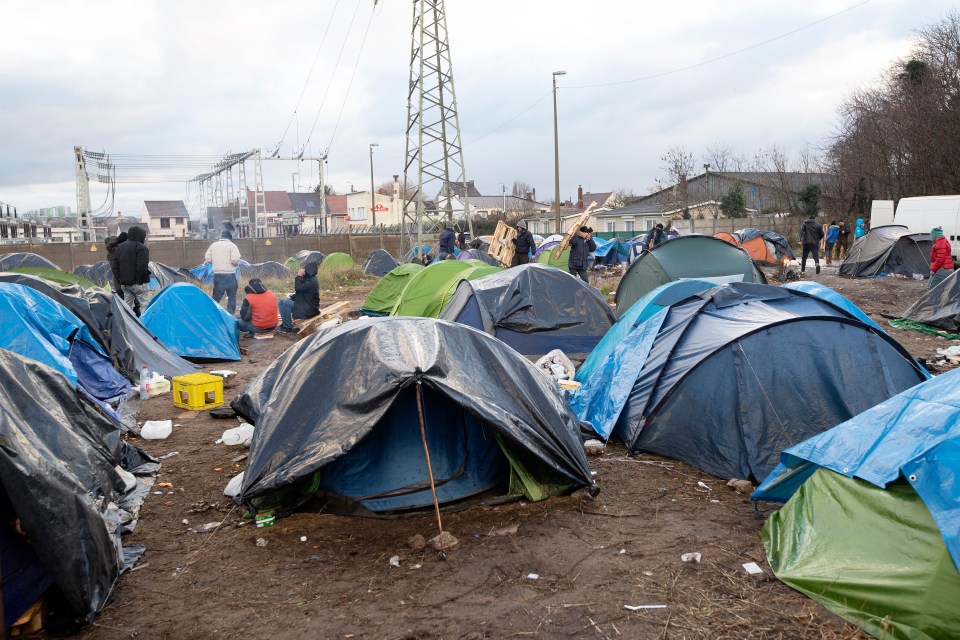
(500, 126)
(352, 76)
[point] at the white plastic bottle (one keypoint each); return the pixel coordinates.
(144, 383)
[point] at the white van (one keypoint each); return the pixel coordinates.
(881, 213)
(924, 213)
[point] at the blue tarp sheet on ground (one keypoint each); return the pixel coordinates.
(191, 324)
(915, 433)
(37, 327)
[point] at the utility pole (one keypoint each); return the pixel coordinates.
(556, 152)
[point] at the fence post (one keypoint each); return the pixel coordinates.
(72, 261)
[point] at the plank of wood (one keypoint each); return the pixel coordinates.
(579, 222)
(309, 327)
(502, 247)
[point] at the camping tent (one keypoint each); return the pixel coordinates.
(164, 275)
(99, 273)
(10, 261)
(729, 377)
(191, 324)
(610, 252)
(58, 471)
(938, 307)
(414, 254)
(305, 256)
(269, 270)
(534, 309)
(354, 432)
(54, 275)
(888, 249)
(379, 263)
(870, 527)
(384, 295)
(477, 254)
(764, 247)
(429, 291)
(337, 260)
(544, 255)
(686, 257)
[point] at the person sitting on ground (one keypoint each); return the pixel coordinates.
(259, 311)
(941, 258)
(306, 299)
(224, 257)
(833, 233)
(524, 243)
(112, 243)
(447, 237)
(810, 235)
(581, 244)
(132, 269)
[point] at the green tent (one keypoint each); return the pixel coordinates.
(430, 290)
(683, 258)
(546, 257)
(873, 556)
(293, 264)
(337, 261)
(55, 275)
(383, 296)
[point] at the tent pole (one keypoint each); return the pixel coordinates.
(426, 452)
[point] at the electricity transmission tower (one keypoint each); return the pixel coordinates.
(434, 152)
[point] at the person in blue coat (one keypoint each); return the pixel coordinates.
(859, 232)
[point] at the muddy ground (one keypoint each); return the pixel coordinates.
(591, 556)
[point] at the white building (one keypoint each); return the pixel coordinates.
(165, 219)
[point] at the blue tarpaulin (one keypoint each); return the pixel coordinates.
(204, 272)
(189, 323)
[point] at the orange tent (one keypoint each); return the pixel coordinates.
(758, 248)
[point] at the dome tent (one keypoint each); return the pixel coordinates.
(54, 275)
(99, 273)
(703, 380)
(337, 261)
(191, 324)
(533, 309)
(164, 275)
(384, 295)
(269, 270)
(938, 307)
(305, 256)
(477, 254)
(353, 433)
(10, 261)
(379, 263)
(686, 257)
(429, 291)
(888, 249)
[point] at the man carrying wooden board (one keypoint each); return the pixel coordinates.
(581, 244)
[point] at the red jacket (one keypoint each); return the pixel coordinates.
(263, 309)
(940, 257)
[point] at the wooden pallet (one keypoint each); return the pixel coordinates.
(30, 622)
(502, 246)
(579, 222)
(310, 326)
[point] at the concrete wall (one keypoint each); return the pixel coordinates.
(189, 253)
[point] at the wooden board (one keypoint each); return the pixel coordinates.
(310, 326)
(502, 247)
(579, 222)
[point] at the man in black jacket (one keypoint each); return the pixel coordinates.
(112, 243)
(525, 243)
(581, 244)
(306, 298)
(131, 269)
(810, 235)
(445, 250)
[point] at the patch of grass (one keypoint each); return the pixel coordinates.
(608, 288)
(344, 279)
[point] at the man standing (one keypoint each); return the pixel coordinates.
(941, 260)
(112, 243)
(447, 238)
(131, 263)
(225, 258)
(524, 243)
(306, 298)
(259, 310)
(810, 235)
(832, 234)
(843, 239)
(655, 236)
(581, 244)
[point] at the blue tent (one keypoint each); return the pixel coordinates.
(610, 252)
(414, 254)
(37, 327)
(727, 378)
(189, 323)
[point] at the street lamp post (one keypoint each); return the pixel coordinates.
(556, 152)
(373, 199)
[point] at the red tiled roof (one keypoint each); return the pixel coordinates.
(337, 205)
(274, 201)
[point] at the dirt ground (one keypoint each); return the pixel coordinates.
(326, 576)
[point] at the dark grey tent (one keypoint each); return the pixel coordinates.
(379, 263)
(939, 307)
(266, 270)
(533, 308)
(727, 378)
(352, 434)
(166, 275)
(99, 273)
(685, 258)
(888, 249)
(58, 470)
(477, 254)
(304, 257)
(19, 260)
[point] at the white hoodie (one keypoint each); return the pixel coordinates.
(224, 256)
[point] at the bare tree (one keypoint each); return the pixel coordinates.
(520, 189)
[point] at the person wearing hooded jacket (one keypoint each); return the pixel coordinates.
(306, 298)
(941, 258)
(259, 311)
(524, 243)
(131, 269)
(811, 234)
(859, 232)
(224, 257)
(112, 243)
(581, 244)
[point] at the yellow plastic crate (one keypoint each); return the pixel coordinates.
(197, 391)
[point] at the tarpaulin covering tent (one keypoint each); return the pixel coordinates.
(99, 273)
(712, 379)
(871, 527)
(191, 324)
(337, 260)
(305, 257)
(385, 293)
(10, 261)
(611, 252)
(113, 325)
(165, 275)
(37, 327)
(58, 471)
(429, 291)
(686, 257)
(533, 309)
(353, 432)
(54, 275)
(477, 254)
(938, 307)
(269, 270)
(764, 247)
(204, 272)
(379, 263)
(888, 249)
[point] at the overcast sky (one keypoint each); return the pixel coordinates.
(191, 78)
